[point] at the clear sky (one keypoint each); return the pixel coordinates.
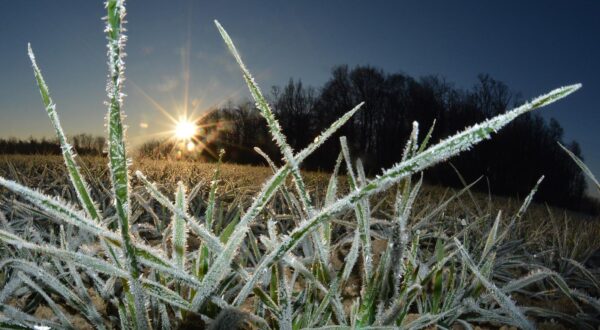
(533, 46)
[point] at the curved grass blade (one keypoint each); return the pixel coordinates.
(449, 147)
(212, 242)
(360, 210)
(268, 190)
(581, 165)
(70, 297)
(61, 210)
(279, 137)
(153, 288)
(77, 180)
(502, 299)
(53, 306)
(274, 127)
(19, 320)
(79, 183)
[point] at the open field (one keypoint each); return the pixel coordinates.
(239, 183)
(543, 239)
(99, 243)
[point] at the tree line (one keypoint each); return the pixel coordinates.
(84, 144)
(511, 162)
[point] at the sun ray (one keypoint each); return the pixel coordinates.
(186, 63)
(153, 101)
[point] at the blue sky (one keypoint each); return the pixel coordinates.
(533, 46)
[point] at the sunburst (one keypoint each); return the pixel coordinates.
(185, 129)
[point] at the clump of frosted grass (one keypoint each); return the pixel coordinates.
(162, 288)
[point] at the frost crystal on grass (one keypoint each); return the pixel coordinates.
(231, 264)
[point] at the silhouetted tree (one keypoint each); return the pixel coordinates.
(512, 161)
(84, 144)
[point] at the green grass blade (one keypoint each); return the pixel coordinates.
(61, 210)
(79, 183)
(77, 180)
(212, 242)
(360, 212)
(582, 165)
(210, 209)
(101, 266)
(491, 239)
(179, 239)
(278, 136)
(586, 273)
(51, 303)
(13, 318)
(522, 209)
(55, 285)
(502, 299)
(272, 122)
(442, 151)
(117, 150)
(351, 256)
(427, 137)
(522, 282)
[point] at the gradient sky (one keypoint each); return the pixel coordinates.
(533, 46)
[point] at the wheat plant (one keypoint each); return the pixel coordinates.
(255, 268)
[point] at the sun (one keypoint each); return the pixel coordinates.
(185, 129)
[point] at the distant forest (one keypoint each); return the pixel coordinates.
(85, 144)
(511, 162)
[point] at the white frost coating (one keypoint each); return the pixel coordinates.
(52, 282)
(59, 209)
(279, 138)
(81, 187)
(532, 277)
(285, 301)
(582, 166)
(400, 233)
(330, 196)
(9, 287)
(118, 162)
(267, 191)
(411, 143)
(360, 212)
(365, 225)
(502, 299)
(414, 136)
(51, 304)
(75, 257)
(274, 127)
(41, 327)
(212, 242)
(62, 210)
(179, 238)
(352, 256)
(449, 147)
(348, 160)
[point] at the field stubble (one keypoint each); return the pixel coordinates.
(450, 260)
(545, 232)
(239, 183)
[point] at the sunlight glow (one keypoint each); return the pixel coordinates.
(185, 129)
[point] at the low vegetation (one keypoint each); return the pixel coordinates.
(366, 253)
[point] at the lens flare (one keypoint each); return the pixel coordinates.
(185, 129)
(190, 146)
